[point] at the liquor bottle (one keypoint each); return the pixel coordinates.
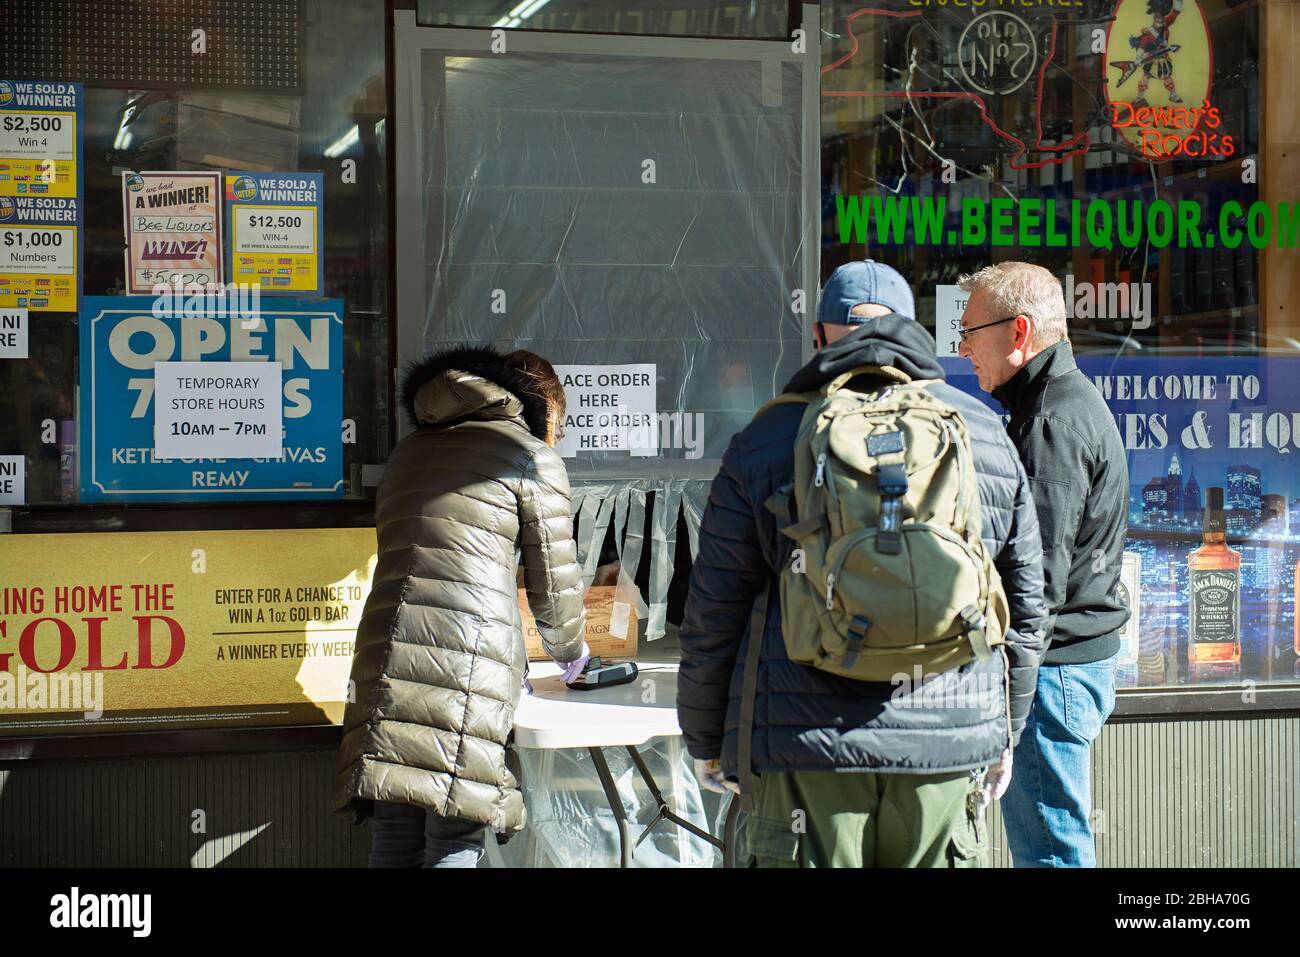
(1128, 589)
(1250, 270)
(1177, 280)
(1224, 294)
(1214, 584)
(1203, 269)
(1295, 612)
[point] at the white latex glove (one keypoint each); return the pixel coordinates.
(998, 779)
(574, 668)
(710, 776)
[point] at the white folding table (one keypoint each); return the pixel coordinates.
(625, 716)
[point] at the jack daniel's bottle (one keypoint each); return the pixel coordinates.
(1214, 580)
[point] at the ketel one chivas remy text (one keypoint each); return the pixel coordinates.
(1214, 580)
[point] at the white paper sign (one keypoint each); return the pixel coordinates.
(265, 229)
(228, 410)
(13, 333)
(13, 480)
(949, 304)
(611, 408)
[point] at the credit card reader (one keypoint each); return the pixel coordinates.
(598, 674)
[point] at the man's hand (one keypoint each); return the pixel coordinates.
(710, 775)
(998, 779)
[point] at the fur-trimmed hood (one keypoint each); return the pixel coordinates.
(471, 382)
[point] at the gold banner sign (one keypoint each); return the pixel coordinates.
(134, 631)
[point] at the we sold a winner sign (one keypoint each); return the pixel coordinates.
(189, 382)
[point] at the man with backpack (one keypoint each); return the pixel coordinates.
(857, 606)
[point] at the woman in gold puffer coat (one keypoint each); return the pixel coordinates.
(440, 660)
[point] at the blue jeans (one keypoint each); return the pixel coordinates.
(406, 835)
(1048, 804)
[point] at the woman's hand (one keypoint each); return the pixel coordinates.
(574, 668)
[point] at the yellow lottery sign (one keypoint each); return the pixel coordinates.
(40, 195)
(40, 142)
(276, 231)
(132, 631)
(38, 263)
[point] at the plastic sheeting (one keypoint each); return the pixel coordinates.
(608, 209)
(570, 822)
(597, 505)
(605, 210)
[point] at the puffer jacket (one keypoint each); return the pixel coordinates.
(1078, 473)
(440, 660)
(810, 720)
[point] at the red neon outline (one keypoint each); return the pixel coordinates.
(1071, 144)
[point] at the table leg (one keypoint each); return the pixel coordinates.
(615, 805)
(664, 810)
(729, 832)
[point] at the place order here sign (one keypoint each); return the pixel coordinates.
(610, 408)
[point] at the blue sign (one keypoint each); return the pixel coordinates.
(1191, 423)
(122, 337)
(276, 235)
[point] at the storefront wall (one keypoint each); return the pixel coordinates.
(1185, 793)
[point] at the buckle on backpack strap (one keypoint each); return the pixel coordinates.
(858, 629)
(973, 622)
(892, 480)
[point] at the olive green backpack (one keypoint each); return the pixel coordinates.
(889, 571)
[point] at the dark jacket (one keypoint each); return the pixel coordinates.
(440, 658)
(1078, 472)
(810, 720)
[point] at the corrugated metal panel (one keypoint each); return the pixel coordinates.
(1194, 793)
(1190, 793)
(263, 810)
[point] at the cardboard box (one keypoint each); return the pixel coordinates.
(611, 625)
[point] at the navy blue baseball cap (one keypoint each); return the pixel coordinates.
(864, 281)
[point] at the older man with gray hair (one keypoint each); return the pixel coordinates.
(1014, 333)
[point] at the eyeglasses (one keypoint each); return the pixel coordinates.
(997, 322)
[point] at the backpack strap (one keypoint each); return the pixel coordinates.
(748, 696)
(883, 372)
(801, 397)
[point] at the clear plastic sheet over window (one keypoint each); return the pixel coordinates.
(613, 209)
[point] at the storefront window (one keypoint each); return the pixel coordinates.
(1130, 148)
(291, 95)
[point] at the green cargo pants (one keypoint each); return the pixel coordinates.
(828, 819)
